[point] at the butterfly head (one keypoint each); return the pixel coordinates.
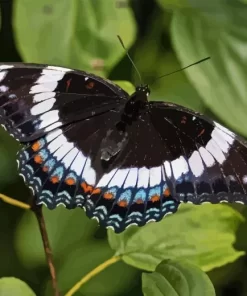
(143, 89)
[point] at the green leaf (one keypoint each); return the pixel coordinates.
(11, 286)
(126, 85)
(203, 234)
(117, 279)
(221, 34)
(77, 34)
(173, 278)
(65, 229)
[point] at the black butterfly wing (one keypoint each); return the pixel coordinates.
(208, 162)
(169, 155)
(36, 99)
(173, 155)
(83, 157)
(63, 166)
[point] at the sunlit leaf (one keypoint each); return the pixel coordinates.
(202, 234)
(11, 286)
(73, 34)
(221, 34)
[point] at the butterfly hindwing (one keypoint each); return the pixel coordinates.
(173, 155)
(61, 167)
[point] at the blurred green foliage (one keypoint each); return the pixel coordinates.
(162, 36)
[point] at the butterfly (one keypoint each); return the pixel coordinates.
(124, 159)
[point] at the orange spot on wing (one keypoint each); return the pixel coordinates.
(54, 179)
(108, 195)
(36, 146)
(90, 85)
(139, 201)
(155, 198)
(68, 84)
(123, 203)
(86, 188)
(96, 191)
(70, 181)
(184, 119)
(167, 192)
(38, 158)
(201, 133)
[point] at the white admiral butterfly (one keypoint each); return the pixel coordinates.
(125, 160)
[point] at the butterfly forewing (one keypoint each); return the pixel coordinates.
(209, 162)
(36, 99)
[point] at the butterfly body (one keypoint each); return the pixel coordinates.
(124, 159)
(117, 137)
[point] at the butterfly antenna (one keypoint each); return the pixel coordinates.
(126, 50)
(181, 69)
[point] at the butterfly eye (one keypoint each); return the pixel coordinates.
(90, 85)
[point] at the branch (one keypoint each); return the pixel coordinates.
(92, 273)
(40, 218)
(48, 253)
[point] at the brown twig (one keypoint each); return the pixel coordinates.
(48, 253)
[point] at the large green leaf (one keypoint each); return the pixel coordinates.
(217, 29)
(203, 234)
(12, 286)
(173, 278)
(77, 34)
(66, 228)
(117, 279)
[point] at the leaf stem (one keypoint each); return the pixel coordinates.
(92, 273)
(48, 253)
(14, 202)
